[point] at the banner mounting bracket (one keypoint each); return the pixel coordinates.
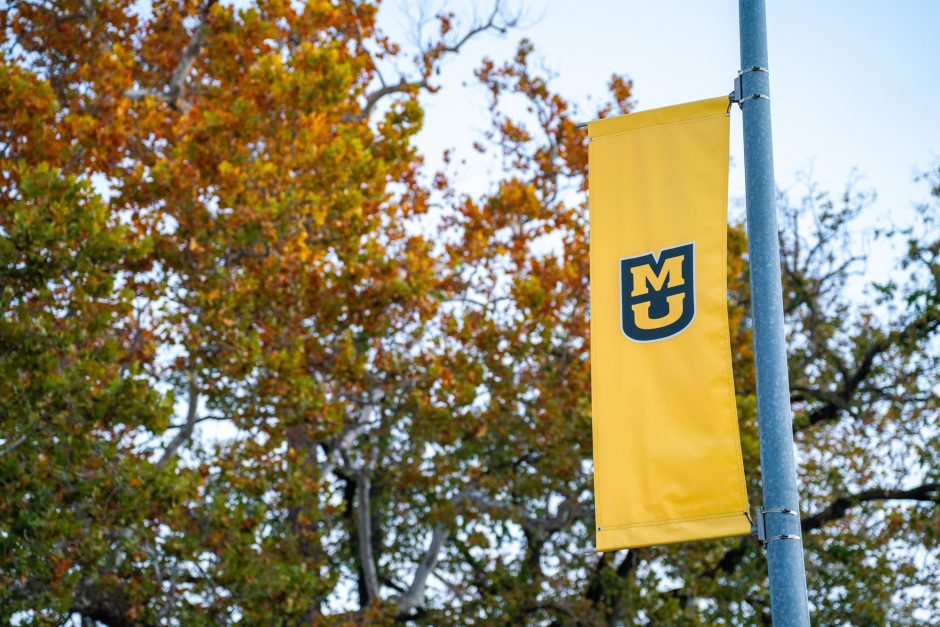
(760, 529)
(737, 96)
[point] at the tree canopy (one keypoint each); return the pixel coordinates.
(259, 363)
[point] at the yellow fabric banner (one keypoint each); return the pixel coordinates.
(667, 453)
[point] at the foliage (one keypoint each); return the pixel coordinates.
(258, 364)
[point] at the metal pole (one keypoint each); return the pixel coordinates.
(781, 520)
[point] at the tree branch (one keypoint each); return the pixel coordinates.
(176, 86)
(414, 597)
(920, 328)
(732, 557)
(539, 530)
(12, 445)
(491, 23)
(364, 527)
(431, 55)
(838, 508)
(541, 526)
(186, 430)
(188, 58)
(373, 98)
(104, 604)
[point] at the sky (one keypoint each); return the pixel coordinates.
(854, 84)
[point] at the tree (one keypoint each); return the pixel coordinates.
(216, 220)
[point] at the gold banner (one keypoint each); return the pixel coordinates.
(667, 454)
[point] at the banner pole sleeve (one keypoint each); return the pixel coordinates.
(785, 548)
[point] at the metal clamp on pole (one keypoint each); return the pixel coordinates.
(737, 96)
(760, 529)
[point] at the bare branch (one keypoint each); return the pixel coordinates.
(431, 55)
(492, 23)
(188, 58)
(373, 98)
(338, 449)
(176, 86)
(9, 448)
(414, 597)
(920, 329)
(186, 431)
(800, 393)
(367, 560)
(542, 526)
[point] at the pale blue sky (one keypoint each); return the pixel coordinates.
(854, 84)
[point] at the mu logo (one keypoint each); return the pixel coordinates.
(657, 295)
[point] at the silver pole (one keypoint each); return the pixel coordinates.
(780, 515)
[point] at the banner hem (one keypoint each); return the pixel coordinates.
(672, 532)
(657, 118)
